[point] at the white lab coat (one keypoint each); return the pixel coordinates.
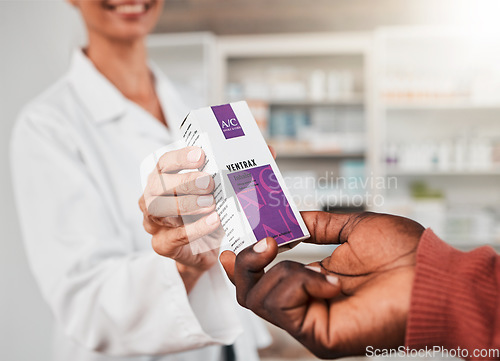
(75, 155)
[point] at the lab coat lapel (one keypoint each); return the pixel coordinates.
(173, 107)
(101, 98)
(105, 102)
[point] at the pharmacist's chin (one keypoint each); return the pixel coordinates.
(117, 31)
(136, 22)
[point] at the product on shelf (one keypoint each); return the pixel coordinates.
(447, 155)
(260, 111)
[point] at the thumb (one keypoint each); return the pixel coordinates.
(256, 257)
(227, 259)
(250, 264)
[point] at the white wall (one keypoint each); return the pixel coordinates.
(36, 38)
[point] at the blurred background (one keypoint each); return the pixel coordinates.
(383, 105)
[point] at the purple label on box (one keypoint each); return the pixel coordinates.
(265, 205)
(229, 124)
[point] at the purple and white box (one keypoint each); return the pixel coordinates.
(250, 193)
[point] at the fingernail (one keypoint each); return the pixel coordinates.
(314, 268)
(212, 219)
(332, 279)
(260, 246)
(202, 182)
(205, 201)
(194, 155)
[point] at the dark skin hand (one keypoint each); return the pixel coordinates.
(357, 297)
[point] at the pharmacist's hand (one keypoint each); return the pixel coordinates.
(375, 267)
(179, 210)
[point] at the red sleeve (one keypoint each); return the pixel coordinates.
(455, 299)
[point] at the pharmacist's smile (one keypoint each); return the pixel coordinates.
(129, 9)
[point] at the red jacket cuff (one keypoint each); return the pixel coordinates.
(454, 296)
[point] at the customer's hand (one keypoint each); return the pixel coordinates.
(179, 210)
(374, 265)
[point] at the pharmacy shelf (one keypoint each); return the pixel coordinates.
(188, 59)
(446, 105)
(427, 172)
(318, 155)
(180, 39)
(308, 44)
(303, 53)
(351, 100)
(300, 150)
(405, 61)
(291, 46)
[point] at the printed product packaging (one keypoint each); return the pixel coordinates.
(250, 194)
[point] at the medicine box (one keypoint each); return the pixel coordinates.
(250, 194)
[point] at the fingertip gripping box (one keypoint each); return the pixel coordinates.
(250, 194)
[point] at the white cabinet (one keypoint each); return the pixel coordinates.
(308, 93)
(188, 59)
(437, 114)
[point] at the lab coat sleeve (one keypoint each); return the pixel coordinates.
(107, 296)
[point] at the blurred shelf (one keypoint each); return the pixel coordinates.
(195, 39)
(317, 155)
(354, 100)
(294, 149)
(290, 45)
(442, 105)
(416, 172)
